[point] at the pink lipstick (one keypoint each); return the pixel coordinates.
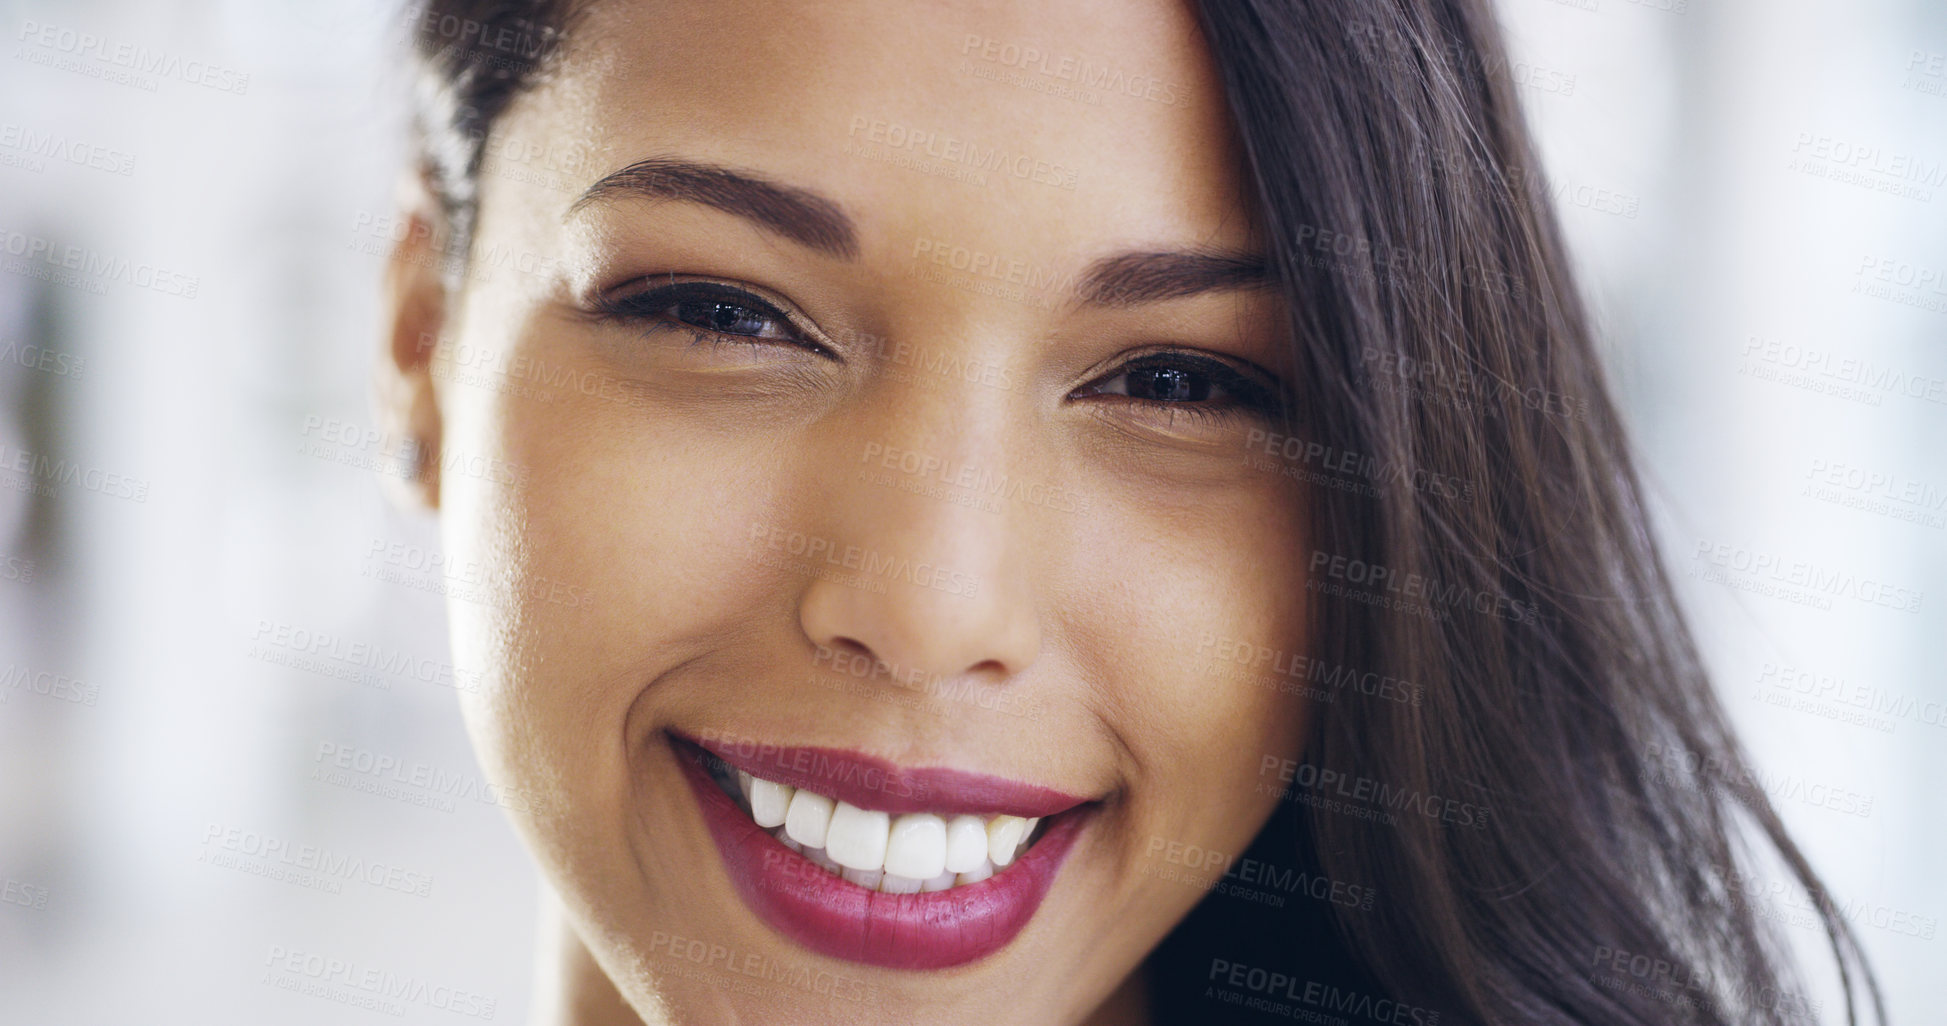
(860, 859)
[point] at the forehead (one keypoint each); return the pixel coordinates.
(1027, 129)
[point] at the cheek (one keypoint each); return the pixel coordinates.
(625, 547)
(621, 540)
(1184, 597)
(627, 536)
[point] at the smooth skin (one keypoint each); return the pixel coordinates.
(626, 491)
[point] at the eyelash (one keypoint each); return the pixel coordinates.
(653, 310)
(1243, 395)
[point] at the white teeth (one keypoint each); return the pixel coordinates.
(808, 819)
(823, 861)
(857, 838)
(910, 853)
(966, 843)
(866, 878)
(893, 883)
(916, 847)
(1004, 834)
(768, 801)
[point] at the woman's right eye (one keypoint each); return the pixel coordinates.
(729, 318)
(719, 314)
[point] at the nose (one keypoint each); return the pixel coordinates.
(933, 585)
(921, 632)
(927, 614)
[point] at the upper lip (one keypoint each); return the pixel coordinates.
(869, 782)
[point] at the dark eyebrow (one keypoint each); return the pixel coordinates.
(801, 216)
(1128, 279)
(811, 220)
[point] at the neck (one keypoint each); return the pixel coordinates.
(1128, 1005)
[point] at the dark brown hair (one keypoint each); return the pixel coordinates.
(1444, 353)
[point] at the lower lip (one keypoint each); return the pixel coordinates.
(929, 930)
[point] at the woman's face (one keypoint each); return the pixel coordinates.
(884, 434)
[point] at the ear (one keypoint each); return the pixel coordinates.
(407, 404)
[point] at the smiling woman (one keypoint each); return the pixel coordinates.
(998, 538)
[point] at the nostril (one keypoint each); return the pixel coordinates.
(851, 647)
(844, 655)
(988, 670)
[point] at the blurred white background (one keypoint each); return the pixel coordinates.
(221, 659)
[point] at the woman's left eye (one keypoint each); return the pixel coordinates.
(1186, 379)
